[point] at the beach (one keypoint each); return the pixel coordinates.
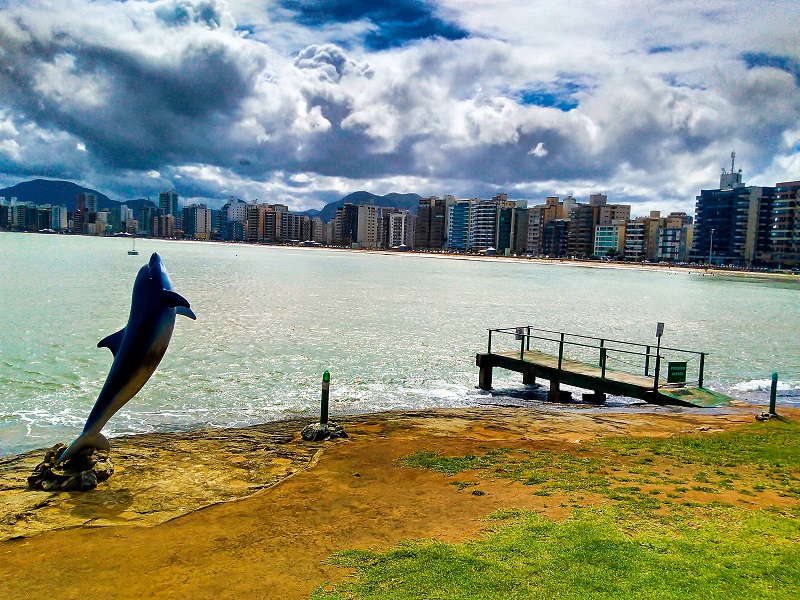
(256, 512)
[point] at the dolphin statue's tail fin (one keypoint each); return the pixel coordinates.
(85, 440)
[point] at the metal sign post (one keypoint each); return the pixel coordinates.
(659, 333)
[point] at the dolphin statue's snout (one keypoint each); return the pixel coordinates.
(137, 348)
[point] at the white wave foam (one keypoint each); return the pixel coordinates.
(764, 385)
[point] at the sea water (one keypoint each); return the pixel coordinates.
(396, 331)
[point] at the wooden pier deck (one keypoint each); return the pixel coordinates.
(597, 379)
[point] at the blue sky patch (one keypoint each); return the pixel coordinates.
(561, 96)
(396, 22)
(762, 59)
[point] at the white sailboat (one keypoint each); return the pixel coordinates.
(133, 251)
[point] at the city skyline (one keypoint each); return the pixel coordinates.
(302, 103)
(755, 225)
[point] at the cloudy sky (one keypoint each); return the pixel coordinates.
(303, 101)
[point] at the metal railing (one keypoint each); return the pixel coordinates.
(624, 356)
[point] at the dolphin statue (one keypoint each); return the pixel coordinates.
(137, 350)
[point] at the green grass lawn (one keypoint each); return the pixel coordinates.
(644, 540)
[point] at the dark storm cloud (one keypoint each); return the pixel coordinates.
(291, 102)
(395, 23)
(144, 111)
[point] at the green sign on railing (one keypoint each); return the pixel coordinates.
(676, 372)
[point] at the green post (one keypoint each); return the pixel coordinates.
(326, 385)
(773, 391)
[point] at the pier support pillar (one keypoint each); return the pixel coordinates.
(594, 397)
(528, 378)
(485, 378)
(554, 395)
(485, 363)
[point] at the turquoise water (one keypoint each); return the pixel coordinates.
(395, 331)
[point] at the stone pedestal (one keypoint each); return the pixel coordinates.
(80, 473)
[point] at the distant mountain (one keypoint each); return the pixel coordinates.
(406, 201)
(47, 191)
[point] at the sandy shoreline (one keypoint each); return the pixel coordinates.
(254, 512)
(699, 270)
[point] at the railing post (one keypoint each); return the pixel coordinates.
(647, 363)
(603, 362)
(529, 339)
(522, 348)
(658, 366)
(602, 350)
(560, 351)
(702, 366)
(489, 351)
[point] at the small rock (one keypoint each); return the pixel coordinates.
(48, 485)
(317, 431)
(87, 480)
(69, 483)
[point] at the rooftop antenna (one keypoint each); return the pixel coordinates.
(733, 160)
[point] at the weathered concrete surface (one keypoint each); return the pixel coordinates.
(157, 477)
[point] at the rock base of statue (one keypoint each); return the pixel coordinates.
(80, 473)
(317, 431)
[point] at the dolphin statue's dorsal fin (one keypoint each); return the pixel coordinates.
(112, 342)
(186, 312)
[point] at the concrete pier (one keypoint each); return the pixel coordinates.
(597, 378)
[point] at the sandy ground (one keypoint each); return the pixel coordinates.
(266, 530)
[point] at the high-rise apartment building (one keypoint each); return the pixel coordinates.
(458, 223)
(399, 230)
(538, 217)
(163, 226)
(86, 201)
(483, 224)
(254, 224)
(733, 225)
(168, 203)
(196, 220)
(609, 240)
(785, 234)
(346, 224)
(430, 229)
(554, 238)
(367, 228)
(58, 218)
